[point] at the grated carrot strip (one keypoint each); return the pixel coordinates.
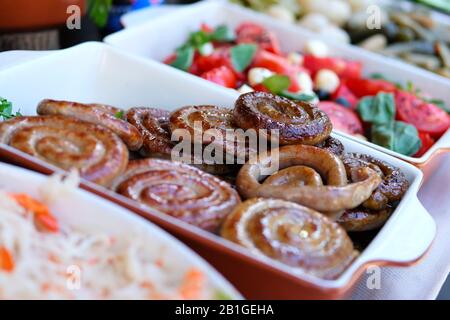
(6, 260)
(43, 218)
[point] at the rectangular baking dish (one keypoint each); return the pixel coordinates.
(94, 72)
(145, 40)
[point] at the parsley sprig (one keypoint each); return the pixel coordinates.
(6, 110)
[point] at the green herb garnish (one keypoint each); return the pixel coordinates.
(377, 110)
(119, 114)
(184, 58)
(398, 136)
(378, 76)
(221, 295)
(242, 55)
(223, 34)
(277, 83)
(298, 96)
(6, 110)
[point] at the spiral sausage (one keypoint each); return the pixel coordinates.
(153, 124)
(333, 145)
(337, 195)
(292, 234)
(392, 187)
(98, 154)
(297, 122)
(198, 119)
(179, 190)
(97, 114)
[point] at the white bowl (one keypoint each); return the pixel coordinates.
(95, 72)
(145, 40)
(85, 211)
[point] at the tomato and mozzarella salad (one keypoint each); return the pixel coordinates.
(249, 58)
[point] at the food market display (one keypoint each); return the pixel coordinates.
(396, 116)
(290, 160)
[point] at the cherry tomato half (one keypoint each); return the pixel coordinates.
(369, 87)
(223, 76)
(343, 119)
(343, 68)
(427, 142)
(249, 32)
(345, 97)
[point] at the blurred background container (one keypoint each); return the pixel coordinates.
(41, 24)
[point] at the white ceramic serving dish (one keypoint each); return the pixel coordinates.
(145, 40)
(84, 211)
(95, 72)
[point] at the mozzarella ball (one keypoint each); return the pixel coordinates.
(314, 22)
(295, 58)
(257, 75)
(326, 80)
(206, 49)
(304, 81)
(316, 48)
(335, 34)
(281, 13)
(245, 89)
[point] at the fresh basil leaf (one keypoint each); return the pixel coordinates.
(119, 114)
(398, 136)
(277, 83)
(297, 96)
(406, 139)
(242, 55)
(198, 38)
(223, 34)
(184, 58)
(383, 135)
(377, 110)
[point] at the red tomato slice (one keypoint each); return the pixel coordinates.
(427, 142)
(260, 87)
(343, 96)
(426, 117)
(343, 68)
(223, 76)
(273, 62)
(369, 87)
(249, 32)
(343, 119)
